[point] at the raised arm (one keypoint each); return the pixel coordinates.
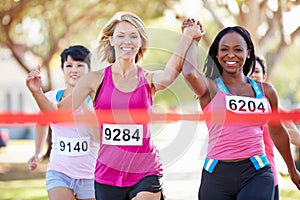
(86, 86)
(280, 136)
(202, 86)
(197, 81)
(34, 84)
(162, 79)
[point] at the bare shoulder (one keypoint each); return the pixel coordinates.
(149, 75)
(148, 72)
(271, 94)
(269, 89)
(92, 79)
(94, 75)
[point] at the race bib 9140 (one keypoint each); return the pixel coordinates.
(240, 104)
(73, 146)
(122, 134)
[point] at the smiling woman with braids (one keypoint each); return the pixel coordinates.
(236, 166)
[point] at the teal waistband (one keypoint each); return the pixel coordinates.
(209, 164)
(257, 161)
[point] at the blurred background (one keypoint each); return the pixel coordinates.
(34, 32)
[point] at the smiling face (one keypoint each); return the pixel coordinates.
(232, 52)
(73, 70)
(126, 41)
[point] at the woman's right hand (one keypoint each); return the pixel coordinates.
(197, 28)
(33, 80)
(33, 162)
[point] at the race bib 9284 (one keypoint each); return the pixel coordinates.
(122, 134)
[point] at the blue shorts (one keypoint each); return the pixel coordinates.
(152, 183)
(82, 188)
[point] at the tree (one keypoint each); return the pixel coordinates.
(265, 20)
(39, 29)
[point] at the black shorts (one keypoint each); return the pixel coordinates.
(151, 183)
(237, 181)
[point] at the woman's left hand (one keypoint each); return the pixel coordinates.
(195, 29)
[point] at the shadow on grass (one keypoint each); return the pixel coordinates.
(17, 182)
(20, 171)
(23, 190)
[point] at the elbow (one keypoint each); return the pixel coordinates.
(189, 75)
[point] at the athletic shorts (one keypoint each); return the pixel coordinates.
(82, 188)
(151, 183)
(237, 181)
(276, 192)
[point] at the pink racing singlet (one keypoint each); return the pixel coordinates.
(74, 149)
(229, 141)
(126, 153)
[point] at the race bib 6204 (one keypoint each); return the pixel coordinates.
(240, 104)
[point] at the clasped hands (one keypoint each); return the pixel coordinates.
(190, 24)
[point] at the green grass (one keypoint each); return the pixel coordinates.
(289, 194)
(23, 190)
(35, 190)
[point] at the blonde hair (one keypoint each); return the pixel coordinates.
(107, 52)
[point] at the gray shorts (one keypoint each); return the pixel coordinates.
(82, 188)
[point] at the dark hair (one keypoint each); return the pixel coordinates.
(78, 53)
(212, 68)
(262, 64)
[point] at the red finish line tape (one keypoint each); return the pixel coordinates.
(139, 116)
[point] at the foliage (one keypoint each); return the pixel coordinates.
(285, 80)
(264, 19)
(36, 30)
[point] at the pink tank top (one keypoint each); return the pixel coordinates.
(74, 149)
(229, 141)
(126, 153)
